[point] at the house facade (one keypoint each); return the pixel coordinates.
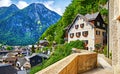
(89, 28)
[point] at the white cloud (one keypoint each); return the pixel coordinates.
(59, 11)
(5, 3)
(22, 4)
(49, 5)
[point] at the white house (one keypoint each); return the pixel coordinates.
(89, 28)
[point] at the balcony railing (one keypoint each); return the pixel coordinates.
(76, 63)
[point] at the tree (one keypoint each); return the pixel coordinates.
(9, 48)
(33, 49)
(97, 46)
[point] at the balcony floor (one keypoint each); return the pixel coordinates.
(104, 66)
(99, 71)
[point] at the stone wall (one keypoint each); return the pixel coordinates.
(86, 62)
(74, 64)
(99, 38)
(71, 68)
(114, 33)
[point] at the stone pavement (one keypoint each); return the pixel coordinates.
(99, 71)
(103, 67)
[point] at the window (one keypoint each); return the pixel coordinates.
(85, 33)
(71, 35)
(98, 23)
(97, 32)
(76, 26)
(104, 25)
(39, 60)
(78, 18)
(33, 60)
(103, 33)
(86, 42)
(78, 34)
(82, 25)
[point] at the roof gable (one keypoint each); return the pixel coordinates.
(78, 16)
(87, 18)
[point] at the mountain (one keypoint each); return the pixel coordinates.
(24, 27)
(7, 11)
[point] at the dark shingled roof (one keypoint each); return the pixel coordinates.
(41, 55)
(7, 69)
(92, 16)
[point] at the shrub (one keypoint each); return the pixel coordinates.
(105, 51)
(9, 48)
(60, 52)
(97, 47)
(110, 55)
(33, 49)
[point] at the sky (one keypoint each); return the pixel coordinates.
(54, 5)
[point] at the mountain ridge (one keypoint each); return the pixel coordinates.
(24, 27)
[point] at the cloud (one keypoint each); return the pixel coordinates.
(49, 5)
(5, 3)
(22, 4)
(59, 11)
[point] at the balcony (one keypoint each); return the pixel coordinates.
(76, 63)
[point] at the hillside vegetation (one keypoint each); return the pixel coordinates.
(56, 31)
(60, 52)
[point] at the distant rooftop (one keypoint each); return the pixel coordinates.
(1, 65)
(41, 55)
(7, 69)
(42, 41)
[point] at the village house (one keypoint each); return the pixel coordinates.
(36, 59)
(43, 42)
(10, 58)
(90, 28)
(23, 64)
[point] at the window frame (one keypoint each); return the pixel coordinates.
(85, 33)
(98, 23)
(97, 32)
(78, 34)
(76, 26)
(71, 35)
(82, 25)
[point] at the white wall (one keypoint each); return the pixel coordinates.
(87, 27)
